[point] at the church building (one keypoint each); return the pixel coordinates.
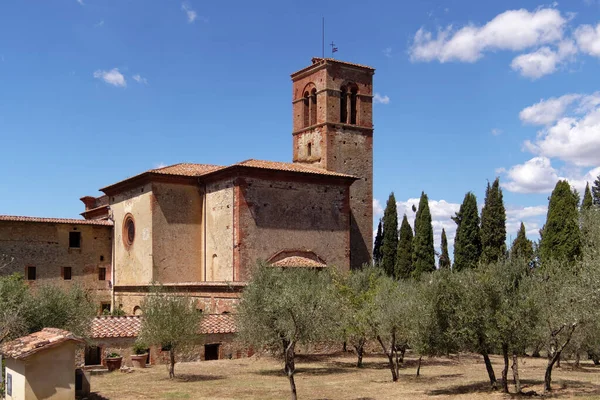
(199, 229)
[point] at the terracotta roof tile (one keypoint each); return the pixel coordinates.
(218, 323)
(319, 59)
(187, 169)
(291, 167)
(298, 261)
(129, 326)
(28, 345)
(111, 327)
(16, 218)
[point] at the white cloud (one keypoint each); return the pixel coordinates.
(99, 24)
(379, 99)
(377, 209)
(112, 77)
(514, 30)
(572, 128)
(547, 111)
(387, 52)
(139, 79)
(496, 131)
(578, 181)
(588, 39)
(191, 14)
(81, 2)
(534, 176)
(544, 60)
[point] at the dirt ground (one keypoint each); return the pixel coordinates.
(336, 377)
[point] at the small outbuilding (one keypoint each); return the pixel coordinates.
(41, 365)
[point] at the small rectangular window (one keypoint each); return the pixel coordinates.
(31, 273)
(8, 384)
(67, 271)
(75, 240)
(105, 308)
(102, 274)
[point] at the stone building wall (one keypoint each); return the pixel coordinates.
(45, 246)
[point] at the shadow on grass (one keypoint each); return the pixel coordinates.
(197, 378)
(305, 371)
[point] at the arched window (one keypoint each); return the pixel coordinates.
(306, 109)
(343, 110)
(353, 96)
(313, 107)
(309, 149)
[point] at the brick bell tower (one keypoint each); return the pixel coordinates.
(333, 129)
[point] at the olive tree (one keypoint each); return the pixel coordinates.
(14, 295)
(282, 308)
(170, 321)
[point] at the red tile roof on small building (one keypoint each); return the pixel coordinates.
(298, 261)
(129, 326)
(71, 221)
(26, 346)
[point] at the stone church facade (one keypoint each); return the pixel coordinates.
(199, 229)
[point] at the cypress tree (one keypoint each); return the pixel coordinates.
(404, 265)
(522, 247)
(467, 243)
(588, 201)
(493, 224)
(423, 251)
(445, 256)
(389, 246)
(596, 192)
(377, 244)
(561, 239)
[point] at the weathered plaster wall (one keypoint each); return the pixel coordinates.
(286, 215)
(177, 233)
(51, 373)
(219, 231)
(46, 247)
(16, 369)
(133, 263)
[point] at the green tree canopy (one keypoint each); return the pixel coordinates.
(445, 256)
(588, 201)
(14, 299)
(389, 246)
(560, 236)
(596, 191)
(404, 264)
(493, 224)
(467, 242)
(423, 250)
(281, 308)
(522, 247)
(378, 243)
(170, 321)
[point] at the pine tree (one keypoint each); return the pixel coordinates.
(596, 192)
(561, 239)
(445, 256)
(467, 242)
(404, 265)
(493, 225)
(423, 251)
(377, 244)
(522, 247)
(588, 201)
(389, 246)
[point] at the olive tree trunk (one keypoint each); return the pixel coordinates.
(505, 369)
(360, 349)
(392, 355)
(290, 366)
(171, 363)
(515, 369)
(555, 356)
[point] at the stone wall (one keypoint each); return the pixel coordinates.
(45, 246)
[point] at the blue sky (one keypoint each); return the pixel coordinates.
(93, 91)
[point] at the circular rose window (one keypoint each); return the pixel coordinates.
(128, 230)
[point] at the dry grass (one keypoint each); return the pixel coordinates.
(335, 377)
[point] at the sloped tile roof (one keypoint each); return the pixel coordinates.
(113, 327)
(298, 261)
(129, 326)
(26, 346)
(290, 167)
(218, 323)
(72, 221)
(319, 59)
(187, 169)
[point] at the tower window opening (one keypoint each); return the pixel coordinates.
(309, 149)
(343, 110)
(306, 107)
(313, 107)
(353, 106)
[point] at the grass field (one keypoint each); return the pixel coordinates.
(335, 377)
